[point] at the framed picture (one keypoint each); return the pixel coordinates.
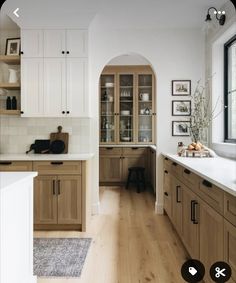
(181, 87)
(181, 107)
(180, 128)
(12, 46)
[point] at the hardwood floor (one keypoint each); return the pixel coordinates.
(131, 244)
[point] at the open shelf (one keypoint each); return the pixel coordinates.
(10, 86)
(9, 112)
(10, 60)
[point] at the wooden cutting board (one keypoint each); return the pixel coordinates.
(60, 136)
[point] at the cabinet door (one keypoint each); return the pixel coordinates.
(69, 190)
(32, 87)
(45, 200)
(211, 237)
(176, 192)
(133, 161)
(167, 179)
(190, 230)
(152, 169)
(77, 95)
(54, 43)
(54, 87)
(110, 169)
(76, 43)
(32, 43)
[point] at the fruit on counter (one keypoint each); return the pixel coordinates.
(195, 146)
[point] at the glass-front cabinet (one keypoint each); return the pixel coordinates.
(127, 105)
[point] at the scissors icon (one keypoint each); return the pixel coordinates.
(219, 272)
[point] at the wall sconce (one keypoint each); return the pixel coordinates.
(220, 15)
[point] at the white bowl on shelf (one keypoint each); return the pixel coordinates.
(109, 84)
(127, 139)
(125, 112)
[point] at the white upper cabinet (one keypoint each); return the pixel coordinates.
(77, 100)
(76, 43)
(32, 87)
(54, 88)
(54, 43)
(31, 43)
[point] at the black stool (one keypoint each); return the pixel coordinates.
(139, 177)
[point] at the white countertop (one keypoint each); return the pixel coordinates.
(219, 171)
(9, 179)
(43, 157)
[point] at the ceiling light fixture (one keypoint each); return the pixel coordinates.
(220, 15)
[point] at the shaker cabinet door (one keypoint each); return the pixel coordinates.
(32, 43)
(54, 88)
(77, 96)
(32, 87)
(54, 43)
(76, 43)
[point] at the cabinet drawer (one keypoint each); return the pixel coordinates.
(176, 169)
(57, 167)
(212, 195)
(15, 166)
(191, 178)
(110, 151)
(134, 151)
(230, 208)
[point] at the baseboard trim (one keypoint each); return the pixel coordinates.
(159, 208)
(96, 208)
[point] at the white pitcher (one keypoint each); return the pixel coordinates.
(144, 96)
(13, 76)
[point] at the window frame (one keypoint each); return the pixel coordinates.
(226, 125)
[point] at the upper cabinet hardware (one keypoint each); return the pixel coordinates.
(67, 112)
(22, 52)
(207, 183)
(63, 112)
(56, 162)
(5, 163)
(166, 171)
(21, 112)
(166, 194)
(67, 52)
(63, 52)
(177, 194)
(187, 171)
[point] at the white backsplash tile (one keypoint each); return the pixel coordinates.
(17, 134)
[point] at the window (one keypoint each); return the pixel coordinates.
(230, 90)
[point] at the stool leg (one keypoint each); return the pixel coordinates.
(128, 180)
(137, 181)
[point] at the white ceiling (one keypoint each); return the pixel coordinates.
(118, 13)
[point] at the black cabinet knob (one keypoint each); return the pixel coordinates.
(67, 52)
(63, 112)
(67, 112)
(22, 52)
(21, 112)
(63, 52)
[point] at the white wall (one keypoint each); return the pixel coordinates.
(173, 54)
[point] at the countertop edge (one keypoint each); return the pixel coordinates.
(213, 181)
(23, 176)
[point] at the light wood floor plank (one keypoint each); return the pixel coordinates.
(131, 244)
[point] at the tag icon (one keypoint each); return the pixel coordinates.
(192, 270)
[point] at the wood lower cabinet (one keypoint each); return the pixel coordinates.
(167, 193)
(229, 247)
(211, 226)
(190, 228)
(110, 169)
(15, 166)
(69, 200)
(45, 200)
(177, 200)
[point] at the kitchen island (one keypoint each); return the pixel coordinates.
(16, 227)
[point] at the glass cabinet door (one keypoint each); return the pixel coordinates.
(126, 108)
(145, 108)
(107, 109)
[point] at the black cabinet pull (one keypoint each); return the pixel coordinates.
(134, 148)
(109, 148)
(207, 184)
(22, 52)
(192, 202)
(56, 162)
(187, 171)
(5, 163)
(63, 112)
(21, 112)
(67, 52)
(177, 194)
(173, 163)
(166, 194)
(67, 112)
(63, 52)
(166, 171)
(53, 187)
(59, 187)
(195, 212)
(166, 158)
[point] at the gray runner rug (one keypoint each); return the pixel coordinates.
(60, 257)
